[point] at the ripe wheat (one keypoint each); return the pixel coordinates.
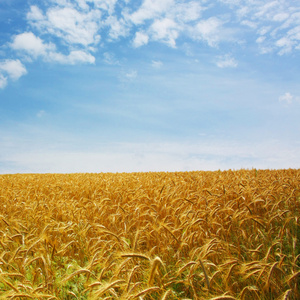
(180, 235)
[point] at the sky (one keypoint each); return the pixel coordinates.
(149, 85)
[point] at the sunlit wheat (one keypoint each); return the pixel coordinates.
(180, 235)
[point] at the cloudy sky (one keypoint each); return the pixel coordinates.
(149, 85)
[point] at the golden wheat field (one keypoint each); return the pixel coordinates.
(179, 235)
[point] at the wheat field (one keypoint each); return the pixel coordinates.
(157, 235)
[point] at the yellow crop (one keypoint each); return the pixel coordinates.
(180, 235)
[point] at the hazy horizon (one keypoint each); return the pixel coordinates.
(152, 85)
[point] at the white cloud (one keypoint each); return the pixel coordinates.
(167, 19)
(150, 9)
(73, 58)
(140, 39)
(13, 68)
(107, 5)
(76, 27)
(35, 14)
(264, 30)
(165, 30)
(226, 61)
(131, 75)
(276, 20)
(293, 19)
(267, 10)
(157, 64)
(186, 12)
(31, 44)
(286, 45)
(73, 26)
(118, 27)
(40, 114)
(208, 30)
(243, 11)
(34, 46)
(231, 2)
(280, 17)
(260, 39)
(250, 24)
(61, 2)
(81, 23)
(287, 98)
(3, 81)
(294, 34)
(110, 58)
(82, 4)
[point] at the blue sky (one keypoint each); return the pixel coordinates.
(151, 85)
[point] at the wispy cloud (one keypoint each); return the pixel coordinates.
(74, 57)
(141, 157)
(107, 6)
(3, 81)
(150, 9)
(131, 75)
(285, 44)
(208, 30)
(276, 23)
(288, 98)
(157, 64)
(41, 113)
(110, 58)
(226, 61)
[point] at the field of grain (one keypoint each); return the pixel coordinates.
(180, 235)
